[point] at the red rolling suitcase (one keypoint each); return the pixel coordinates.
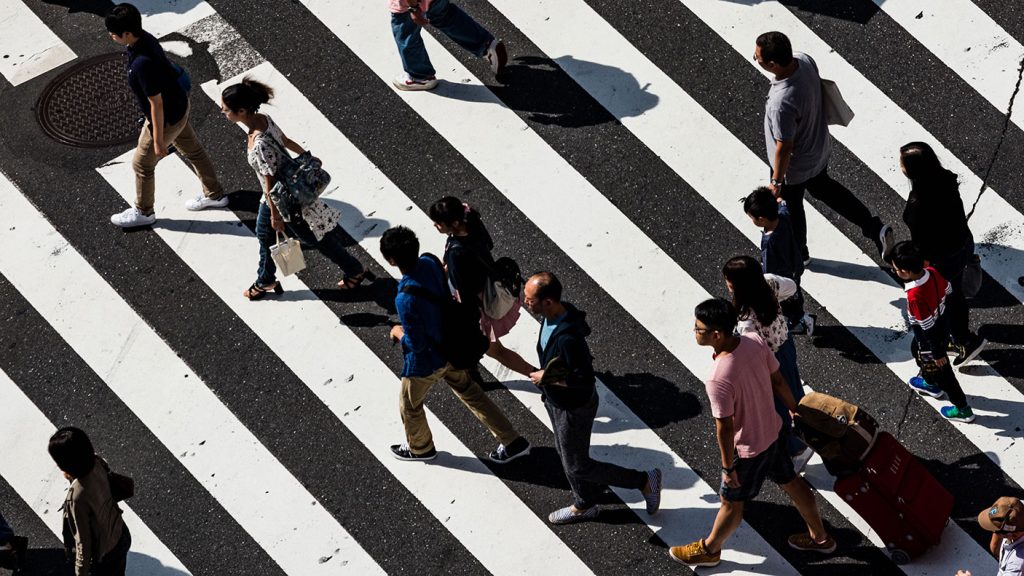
(898, 498)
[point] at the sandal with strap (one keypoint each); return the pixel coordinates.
(352, 282)
(255, 292)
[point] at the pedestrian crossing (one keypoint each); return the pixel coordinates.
(637, 263)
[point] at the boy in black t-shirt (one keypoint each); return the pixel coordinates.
(781, 254)
(164, 103)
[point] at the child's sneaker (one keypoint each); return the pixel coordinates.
(407, 83)
(964, 414)
(695, 554)
(923, 387)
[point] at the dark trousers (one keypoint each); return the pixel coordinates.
(957, 311)
(943, 377)
(793, 307)
(835, 196)
(587, 477)
(113, 564)
(332, 245)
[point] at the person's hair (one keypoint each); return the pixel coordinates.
(124, 18)
(761, 203)
(401, 245)
(751, 293)
(549, 287)
(907, 256)
(248, 94)
(717, 314)
(775, 47)
(449, 210)
(923, 166)
(72, 450)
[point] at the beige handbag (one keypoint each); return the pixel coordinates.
(287, 255)
(837, 111)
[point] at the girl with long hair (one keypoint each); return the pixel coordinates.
(756, 297)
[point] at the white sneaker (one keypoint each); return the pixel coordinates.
(132, 218)
(201, 202)
(809, 320)
(404, 82)
(497, 56)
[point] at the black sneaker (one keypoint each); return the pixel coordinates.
(504, 454)
(970, 351)
(402, 452)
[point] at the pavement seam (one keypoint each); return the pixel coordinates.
(1002, 137)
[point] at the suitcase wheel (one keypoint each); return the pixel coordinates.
(899, 556)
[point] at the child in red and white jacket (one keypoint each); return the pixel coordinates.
(926, 303)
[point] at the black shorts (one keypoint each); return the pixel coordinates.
(773, 463)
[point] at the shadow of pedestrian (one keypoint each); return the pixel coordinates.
(859, 12)
(44, 562)
(664, 403)
(549, 96)
(143, 564)
(97, 7)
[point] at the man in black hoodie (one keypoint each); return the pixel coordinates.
(567, 382)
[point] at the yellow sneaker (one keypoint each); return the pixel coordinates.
(695, 554)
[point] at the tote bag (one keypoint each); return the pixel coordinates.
(837, 111)
(287, 255)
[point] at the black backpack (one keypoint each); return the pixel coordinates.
(462, 343)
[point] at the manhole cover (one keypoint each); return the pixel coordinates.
(90, 104)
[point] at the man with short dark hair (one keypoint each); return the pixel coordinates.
(419, 331)
(567, 385)
(799, 145)
(751, 438)
(163, 101)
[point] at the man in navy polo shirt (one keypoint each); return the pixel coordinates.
(164, 103)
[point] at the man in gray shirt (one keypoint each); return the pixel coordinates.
(798, 143)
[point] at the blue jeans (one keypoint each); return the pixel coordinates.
(786, 355)
(447, 18)
(332, 246)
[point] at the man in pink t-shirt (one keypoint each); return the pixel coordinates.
(751, 440)
(407, 19)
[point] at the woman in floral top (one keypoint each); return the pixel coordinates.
(756, 297)
(267, 151)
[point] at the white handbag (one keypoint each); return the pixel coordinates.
(287, 255)
(837, 111)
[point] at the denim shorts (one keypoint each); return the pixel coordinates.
(773, 463)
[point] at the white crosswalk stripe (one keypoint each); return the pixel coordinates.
(349, 376)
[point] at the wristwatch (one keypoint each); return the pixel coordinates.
(776, 182)
(414, 9)
(730, 469)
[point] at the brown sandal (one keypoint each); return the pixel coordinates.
(255, 292)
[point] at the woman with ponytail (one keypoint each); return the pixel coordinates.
(756, 297)
(266, 152)
(938, 225)
(468, 261)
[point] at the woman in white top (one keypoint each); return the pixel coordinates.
(756, 297)
(266, 152)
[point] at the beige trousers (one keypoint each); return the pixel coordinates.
(145, 160)
(414, 391)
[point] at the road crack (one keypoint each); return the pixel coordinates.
(906, 412)
(1002, 137)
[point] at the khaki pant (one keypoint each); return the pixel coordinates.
(145, 161)
(415, 389)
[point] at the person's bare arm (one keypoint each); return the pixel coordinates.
(725, 431)
(783, 153)
(156, 124)
(782, 391)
